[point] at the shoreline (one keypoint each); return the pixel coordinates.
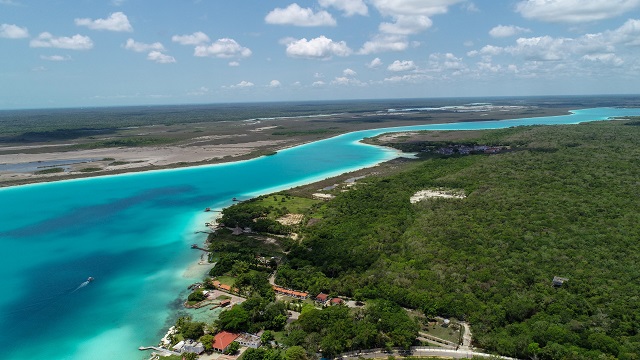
(220, 153)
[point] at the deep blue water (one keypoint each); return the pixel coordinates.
(132, 233)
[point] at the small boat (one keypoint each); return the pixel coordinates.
(207, 209)
(234, 199)
(90, 279)
(194, 246)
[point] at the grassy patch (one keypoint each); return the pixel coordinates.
(126, 142)
(294, 204)
(90, 169)
(116, 163)
(279, 336)
(54, 170)
(227, 280)
(446, 333)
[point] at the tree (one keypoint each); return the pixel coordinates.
(192, 330)
(262, 354)
(189, 356)
(254, 354)
(232, 348)
(196, 296)
(207, 341)
(235, 319)
(295, 353)
(267, 337)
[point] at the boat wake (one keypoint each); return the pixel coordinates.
(89, 280)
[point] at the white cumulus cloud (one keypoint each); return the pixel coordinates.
(117, 21)
(223, 48)
(413, 7)
(407, 78)
(243, 84)
(55, 58)
(608, 59)
(160, 58)
(404, 65)
(375, 63)
(348, 7)
(346, 80)
(75, 42)
(446, 62)
(197, 38)
(349, 72)
(295, 15)
(382, 43)
(406, 25)
(12, 31)
(502, 31)
(628, 33)
(142, 47)
(274, 83)
(574, 11)
(318, 48)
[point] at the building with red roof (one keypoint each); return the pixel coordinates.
(220, 286)
(322, 298)
(292, 293)
(222, 340)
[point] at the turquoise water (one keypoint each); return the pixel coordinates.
(132, 233)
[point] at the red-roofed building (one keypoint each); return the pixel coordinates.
(292, 293)
(220, 286)
(322, 298)
(222, 340)
(336, 301)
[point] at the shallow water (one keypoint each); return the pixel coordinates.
(42, 165)
(132, 234)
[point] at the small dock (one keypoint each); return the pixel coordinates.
(197, 247)
(159, 349)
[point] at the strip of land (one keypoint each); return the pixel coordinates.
(60, 152)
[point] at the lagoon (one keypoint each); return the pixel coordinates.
(132, 234)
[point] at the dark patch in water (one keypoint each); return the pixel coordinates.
(89, 215)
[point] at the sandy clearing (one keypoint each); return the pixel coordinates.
(322, 196)
(290, 219)
(427, 194)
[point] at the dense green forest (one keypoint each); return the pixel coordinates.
(562, 202)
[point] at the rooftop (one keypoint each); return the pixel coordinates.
(223, 339)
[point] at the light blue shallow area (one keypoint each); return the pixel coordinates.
(132, 233)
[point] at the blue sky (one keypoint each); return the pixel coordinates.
(73, 53)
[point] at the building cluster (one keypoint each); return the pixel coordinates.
(323, 300)
(224, 339)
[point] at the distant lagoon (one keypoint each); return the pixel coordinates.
(132, 233)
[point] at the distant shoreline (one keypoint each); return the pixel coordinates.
(226, 148)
